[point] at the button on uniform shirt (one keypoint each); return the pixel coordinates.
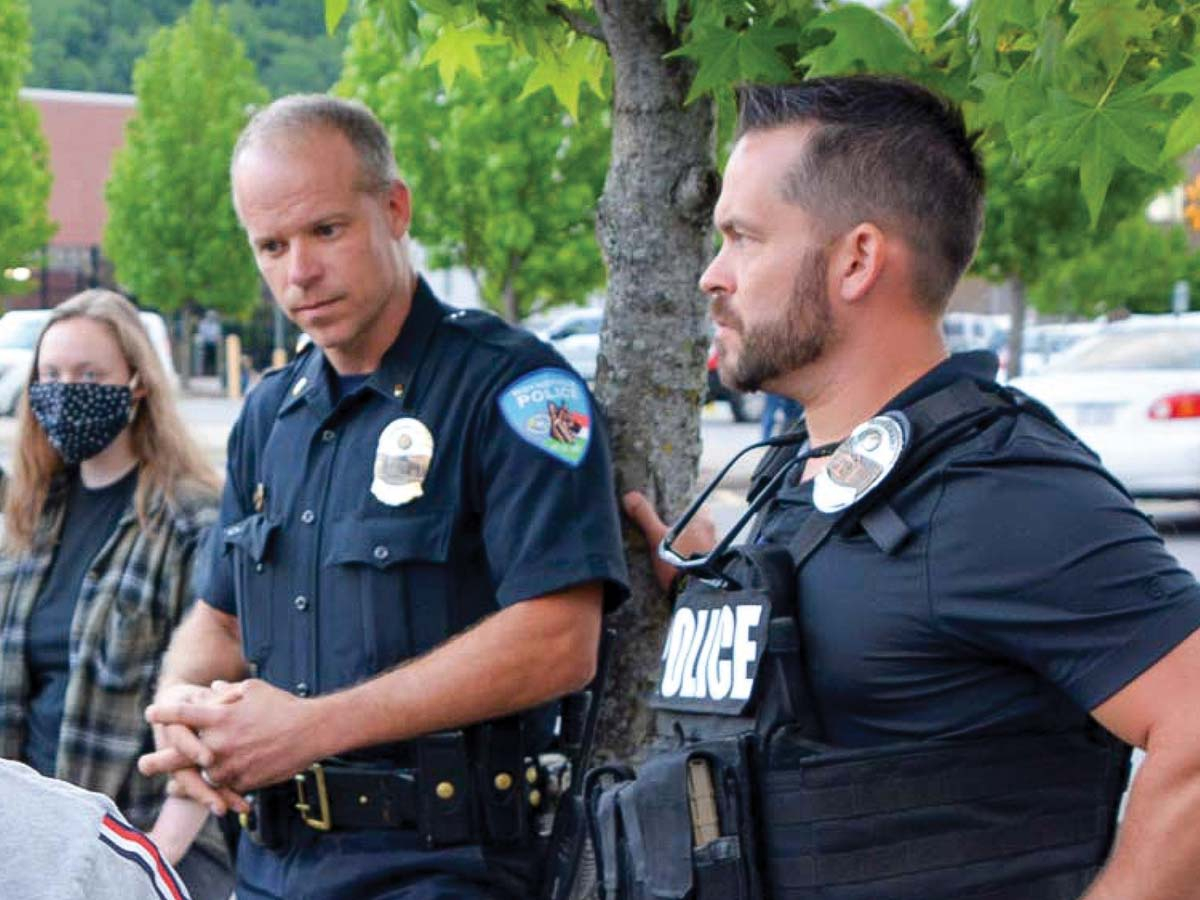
(345, 550)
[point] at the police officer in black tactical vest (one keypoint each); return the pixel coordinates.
(920, 677)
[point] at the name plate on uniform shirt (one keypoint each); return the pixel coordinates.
(713, 650)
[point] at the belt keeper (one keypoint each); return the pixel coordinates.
(445, 794)
(503, 780)
(262, 824)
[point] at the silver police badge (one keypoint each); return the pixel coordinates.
(402, 460)
(861, 462)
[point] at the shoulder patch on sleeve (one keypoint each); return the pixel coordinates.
(550, 409)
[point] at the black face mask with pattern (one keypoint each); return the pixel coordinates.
(80, 419)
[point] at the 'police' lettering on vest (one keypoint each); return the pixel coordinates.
(712, 653)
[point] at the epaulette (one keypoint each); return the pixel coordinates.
(489, 328)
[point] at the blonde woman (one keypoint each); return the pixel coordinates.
(107, 501)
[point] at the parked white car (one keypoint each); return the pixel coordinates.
(576, 335)
(973, 331)
(19, 332)
(1042, 343)
(1132, 394)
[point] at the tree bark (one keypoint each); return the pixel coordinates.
(184, 348)
(653, 225)
(1016, 330)
(511, 303)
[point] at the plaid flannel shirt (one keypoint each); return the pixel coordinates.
(133, 595)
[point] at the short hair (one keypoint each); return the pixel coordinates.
(298, 114)
(884, 150)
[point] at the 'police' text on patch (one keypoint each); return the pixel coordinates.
(550, 409)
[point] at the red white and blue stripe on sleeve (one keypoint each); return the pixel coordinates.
(130, 843)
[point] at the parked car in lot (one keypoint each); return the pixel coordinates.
(744, 407)
(576, 335)
(1132, 393)
(973, 331)
(19, 331)
(1042, 343)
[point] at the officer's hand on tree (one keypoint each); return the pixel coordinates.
(256, 734)
(700, 536)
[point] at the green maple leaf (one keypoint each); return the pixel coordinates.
(672, 13)
(1096, 167)
(1008, 102)
(1184, 133)
(1109, 27)
(1100, 138)
(334, 10)
(449, 10)
(458, 48)
(566, 71)
(992, 105)
(988, 18)
(399, 16)
(1185, 81)
(716, 57)
(862, 40)
(726, 57)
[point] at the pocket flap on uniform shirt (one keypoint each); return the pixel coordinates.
(383, 542)
(252, 535)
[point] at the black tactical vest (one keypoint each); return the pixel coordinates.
(743, 798)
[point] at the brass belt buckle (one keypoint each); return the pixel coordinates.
(321, 822)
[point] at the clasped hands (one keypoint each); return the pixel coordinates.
(218, 742)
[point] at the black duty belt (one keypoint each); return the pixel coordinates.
(448, 798)
(324, 797)
(351, 797)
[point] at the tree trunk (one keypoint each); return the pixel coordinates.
(653, 224)
(184, 347)
(1016, 331)
(512, 304)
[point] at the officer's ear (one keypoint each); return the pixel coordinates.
(856, 261)
(399, 208)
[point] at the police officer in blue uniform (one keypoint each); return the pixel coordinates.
(417, 539)
(980, 606)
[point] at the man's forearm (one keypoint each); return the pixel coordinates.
(256, 734)
(526, 655)
(1157, 855)
(204, 648)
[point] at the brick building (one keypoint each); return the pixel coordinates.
(83, 131)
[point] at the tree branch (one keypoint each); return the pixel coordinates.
(576, 21)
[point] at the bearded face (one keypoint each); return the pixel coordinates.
(750, 355)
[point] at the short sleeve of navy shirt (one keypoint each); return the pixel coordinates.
(335, 578)
(1030, 590)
